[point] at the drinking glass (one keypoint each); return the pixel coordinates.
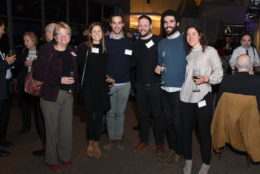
(71, 74)
(195, 74)
(110, 85)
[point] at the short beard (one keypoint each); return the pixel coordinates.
(146, 34)
(174, 29)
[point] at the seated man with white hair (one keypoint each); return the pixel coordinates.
(241, 82)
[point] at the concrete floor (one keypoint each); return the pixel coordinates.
(113, 161)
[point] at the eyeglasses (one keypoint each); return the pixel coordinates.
(63, 34)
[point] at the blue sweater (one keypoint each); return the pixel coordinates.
(174, 60)
(119, 64)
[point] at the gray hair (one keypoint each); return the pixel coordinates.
(246, 64)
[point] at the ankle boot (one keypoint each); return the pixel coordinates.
(97, 152)
(90, 148)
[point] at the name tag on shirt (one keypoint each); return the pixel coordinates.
(95, 50)
(149, 44)
(73, 53)
(128, 52)
(202, 103)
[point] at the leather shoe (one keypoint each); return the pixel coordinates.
(56, 168)
(67, 163)
(159, 149)
(5, 143)
(139, 147)
(4, 153)
(39, 152)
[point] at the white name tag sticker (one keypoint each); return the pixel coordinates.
(202, 103)
(128, 52)
(73, 53)
(95, 50)
(149, 44)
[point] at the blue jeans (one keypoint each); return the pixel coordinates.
(115, 116)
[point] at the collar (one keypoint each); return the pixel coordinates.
(112, 37)
(177, 35)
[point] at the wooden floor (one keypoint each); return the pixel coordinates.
(113, 161)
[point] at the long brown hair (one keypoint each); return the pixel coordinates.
(90, 40)
(203, 39)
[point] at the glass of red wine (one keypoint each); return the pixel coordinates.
(195, 74)
(110, 85)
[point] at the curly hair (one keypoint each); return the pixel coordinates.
(169, 13)
(203, 39)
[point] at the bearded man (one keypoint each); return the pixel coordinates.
(172, 57)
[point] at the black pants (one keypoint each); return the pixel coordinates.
(40, 121)
(5, 109)
(170, 102)
(148, 101)
(26, 102)
(204, 118)
(95, 121)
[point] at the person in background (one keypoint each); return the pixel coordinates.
(245, 48)
(24, 64)
(92, 61)
(203, 69)
(39, 117)
(5, 96)
(57, 69)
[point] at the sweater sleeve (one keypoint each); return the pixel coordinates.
(217, 71)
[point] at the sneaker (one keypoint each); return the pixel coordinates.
(120, 145)
(204, 169)
(187, 167)
(108, 144)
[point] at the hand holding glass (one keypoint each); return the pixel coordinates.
(195, 75)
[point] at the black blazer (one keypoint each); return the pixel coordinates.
(3, 82)
(240, 83)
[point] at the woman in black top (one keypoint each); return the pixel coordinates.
(23, 66)
(92, 59)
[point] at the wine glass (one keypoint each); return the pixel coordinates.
(195, 74)
(110, 85)
(162, 72)
(71, 74)
(163, 68)
(10, 54)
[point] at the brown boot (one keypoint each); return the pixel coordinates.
(97, 152)
(90, 148)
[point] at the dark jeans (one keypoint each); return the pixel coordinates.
(170, 102)
(95, 122)
(148, 101)
(204, 118)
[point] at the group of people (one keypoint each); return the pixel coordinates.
(173, 79)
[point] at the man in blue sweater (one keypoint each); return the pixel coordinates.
(119, 50)
(172, 56)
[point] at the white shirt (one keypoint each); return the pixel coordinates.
(252, 53)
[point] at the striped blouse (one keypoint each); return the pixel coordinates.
(206, 63)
